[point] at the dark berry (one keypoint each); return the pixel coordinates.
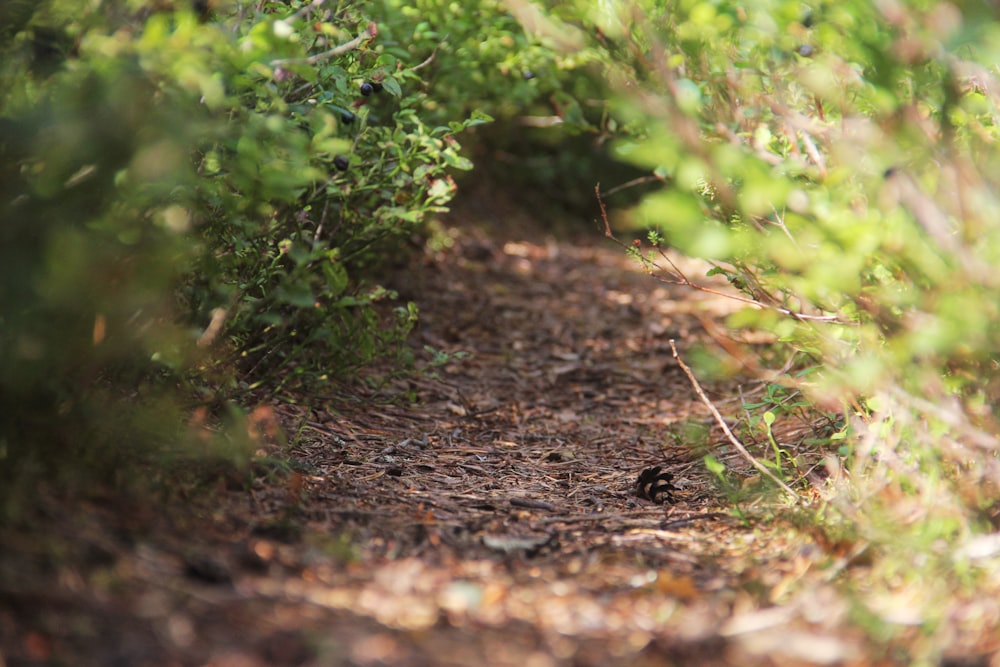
(376, 86)
(367, 89)
(202, 8)
(806, 51)
(528, 74)
(341, 163)
(346, 117)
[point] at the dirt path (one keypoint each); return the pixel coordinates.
(493, 520)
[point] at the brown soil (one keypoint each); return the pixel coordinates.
(487, 515)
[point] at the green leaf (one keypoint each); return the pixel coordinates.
(478, 118)
(392, 86)
(336, 277)
(295, 294)
(715, 466)
(456, 161)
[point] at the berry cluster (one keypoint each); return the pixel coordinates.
(367, 88)
(370, 87)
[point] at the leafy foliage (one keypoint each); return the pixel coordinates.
(82, 303)
(310, 182)
(186, 195)
(837, 164)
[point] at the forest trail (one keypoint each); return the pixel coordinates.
(491, 519)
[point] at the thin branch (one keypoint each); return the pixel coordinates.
(322, 221)
(540, 121)
(315, 4)
(319, 57)
(301, 89)
(725, 427)
(779, 221)
(604, 215)
(634, 182)
(767, 156)
(678, 278)
(813, 152)
(950, 415)
(431, 57)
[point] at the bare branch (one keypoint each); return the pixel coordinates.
(634, 182)
(725, 427)
(678, 278)
(315, 4)
(365, 36)
(431, 57)
(813, 152)
(779, 221)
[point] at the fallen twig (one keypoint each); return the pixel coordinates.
(530, 503)
(725, 427)
(634, 519)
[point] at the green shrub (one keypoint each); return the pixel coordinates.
(838, 164)
(86, 272)
(310, 183)
(848, 189)
(185, 196)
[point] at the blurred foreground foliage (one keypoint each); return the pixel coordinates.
(838, 164)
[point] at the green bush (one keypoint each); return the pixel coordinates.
(550, 105)
(194, 206)
(84, 304)
(837, 166)
(837, 163)
(311, 182)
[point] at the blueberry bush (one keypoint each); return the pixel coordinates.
(198, 197)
